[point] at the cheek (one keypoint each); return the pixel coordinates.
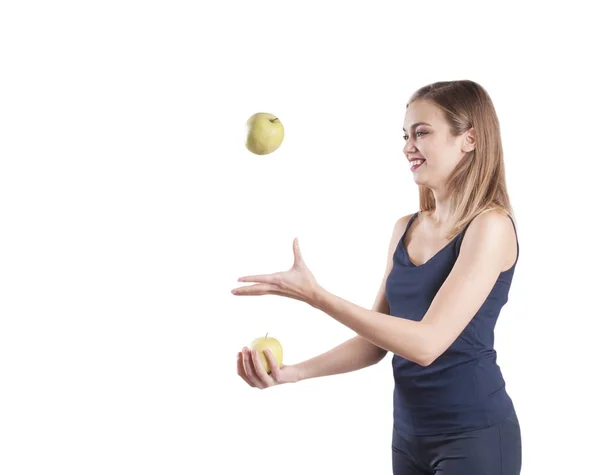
(442, 156)
(433, 153)
(440, 164)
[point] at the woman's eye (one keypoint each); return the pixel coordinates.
(416, 133)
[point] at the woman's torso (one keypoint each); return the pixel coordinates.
(464, 388)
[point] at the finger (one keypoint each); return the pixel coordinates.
(264, 278)
(240, 369)
(287, 293)
(275, 370)
(256, 289)
(249, 369)
(260, 370)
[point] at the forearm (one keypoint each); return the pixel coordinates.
(401, 336)
(354, 354)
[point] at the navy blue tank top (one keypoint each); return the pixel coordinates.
(464, 388)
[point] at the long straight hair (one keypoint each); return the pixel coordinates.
(478, 182)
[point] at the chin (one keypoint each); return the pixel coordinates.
(420, 181)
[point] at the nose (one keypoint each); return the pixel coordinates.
(409, 146)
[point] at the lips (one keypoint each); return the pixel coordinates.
(416, 163)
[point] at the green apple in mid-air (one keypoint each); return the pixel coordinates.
(264, 133)
(263, 343)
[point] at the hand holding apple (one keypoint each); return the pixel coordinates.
(253, 363)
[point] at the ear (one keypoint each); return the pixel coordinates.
(468, 144)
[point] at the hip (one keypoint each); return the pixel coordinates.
(439, 417)
(487, 451)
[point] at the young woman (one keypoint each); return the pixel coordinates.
(448, 275)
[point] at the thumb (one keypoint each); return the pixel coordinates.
(298, 259)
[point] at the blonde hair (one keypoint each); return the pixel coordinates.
(478, 182)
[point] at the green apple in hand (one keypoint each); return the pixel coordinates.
(264, 133)
(264, 343)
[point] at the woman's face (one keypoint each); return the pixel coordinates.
(428, 138)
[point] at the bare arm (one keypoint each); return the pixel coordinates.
(356, 353)
(484, 253)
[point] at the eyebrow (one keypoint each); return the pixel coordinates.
(416, 125)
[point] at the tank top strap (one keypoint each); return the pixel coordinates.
(413, 217)
(516, 236)
(461, 235)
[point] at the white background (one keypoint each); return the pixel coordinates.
(129, 207)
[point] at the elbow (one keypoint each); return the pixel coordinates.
(425, 347)
(427, 355)
(382, 354)
(420, 357)
(423, 360)
(379, 356)
(431, 347)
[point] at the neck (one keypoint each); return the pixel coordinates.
(443, 210)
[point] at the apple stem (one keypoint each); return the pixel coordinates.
(273, 120)
(266, 335)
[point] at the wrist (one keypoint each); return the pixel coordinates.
(300, 372)
(318, 296)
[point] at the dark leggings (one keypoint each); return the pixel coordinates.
(495, 450)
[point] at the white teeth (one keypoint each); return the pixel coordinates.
(416, 162)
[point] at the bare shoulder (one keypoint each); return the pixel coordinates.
(397, 232)
(399, 228)
(493, 221)
(402, 222)
(492, 230)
